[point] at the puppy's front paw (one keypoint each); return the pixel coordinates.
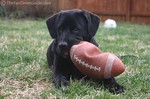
(60, 80)
(115, 88)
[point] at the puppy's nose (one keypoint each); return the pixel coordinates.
(63, 45)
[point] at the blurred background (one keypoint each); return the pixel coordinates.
(137, 11)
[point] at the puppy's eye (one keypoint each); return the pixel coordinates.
(76, 30)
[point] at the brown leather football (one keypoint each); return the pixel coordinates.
(91, 61)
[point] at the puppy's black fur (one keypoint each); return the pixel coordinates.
(67, 28)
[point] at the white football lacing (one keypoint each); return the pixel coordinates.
(81, 62)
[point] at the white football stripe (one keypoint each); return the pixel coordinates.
(108, 66)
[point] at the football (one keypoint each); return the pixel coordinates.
(91, 61)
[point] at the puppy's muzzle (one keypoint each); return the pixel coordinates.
(63, 48)
(63, 45)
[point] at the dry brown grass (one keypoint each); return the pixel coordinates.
(15, 89)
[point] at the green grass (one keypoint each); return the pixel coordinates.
(24, 71)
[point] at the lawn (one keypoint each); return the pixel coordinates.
(24, 72)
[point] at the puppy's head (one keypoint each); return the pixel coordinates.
(69, 27)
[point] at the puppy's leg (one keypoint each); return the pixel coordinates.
(60, 76)
(56, 64)
(113, 86)
(60, 80)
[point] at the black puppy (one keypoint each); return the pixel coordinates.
(67, 28)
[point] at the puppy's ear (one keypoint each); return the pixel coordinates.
(93, 22)
(51, 24)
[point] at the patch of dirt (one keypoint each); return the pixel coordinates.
(13, 89)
